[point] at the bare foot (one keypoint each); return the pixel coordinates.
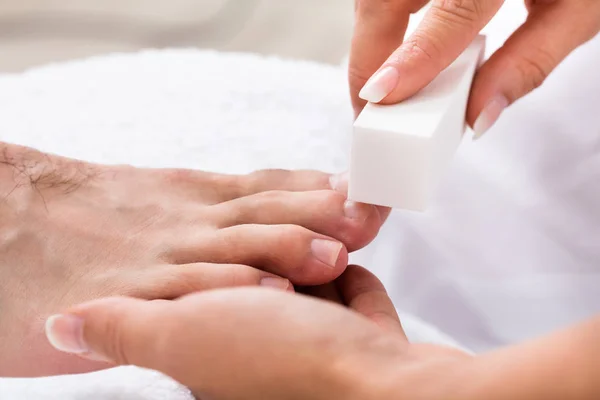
(73, 231)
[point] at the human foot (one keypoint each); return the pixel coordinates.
(74, 231)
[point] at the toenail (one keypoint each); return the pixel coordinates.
(276, 283)
(339, 182)
(65, 333)
(356, 211)
(326, 251)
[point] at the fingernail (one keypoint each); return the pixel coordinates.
(65, 333)
(380, 85)
(276, 283)
(356, 211)
(339, 182)
(490, 114)
(326, 251)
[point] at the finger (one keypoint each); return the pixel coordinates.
(326, 212)
(116, 330)
(202, 340)
(174, 281)
(379, 30)
(289, 251)
(445, 32)
(552, 31)
(364, 293)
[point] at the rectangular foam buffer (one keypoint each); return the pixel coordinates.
(400, 152)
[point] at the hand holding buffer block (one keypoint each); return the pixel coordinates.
(399, 152)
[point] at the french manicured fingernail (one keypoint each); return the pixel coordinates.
(356, 211)
(65, 333)
(380, 85)
(490, 114)
(276, 283)
(326, 251)
(339, 182)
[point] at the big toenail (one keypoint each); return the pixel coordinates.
(326, 251)
(356, 211)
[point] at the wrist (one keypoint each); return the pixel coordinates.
(368, 373)
(559, 366)
(413, 373)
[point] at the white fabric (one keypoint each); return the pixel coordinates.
(509, 249)
(126, 383)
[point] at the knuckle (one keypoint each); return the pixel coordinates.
(358, 75)
(113, 335)
(535, 67)
(287, 248)
(459, 11)
(291, 233)
(419, 49)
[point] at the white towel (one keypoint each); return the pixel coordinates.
(125, 383)
(221, 112)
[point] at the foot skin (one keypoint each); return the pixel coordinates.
(73, 232)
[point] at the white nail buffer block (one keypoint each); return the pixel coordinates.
(399, 152)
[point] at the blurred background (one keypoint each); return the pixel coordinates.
(35, 32)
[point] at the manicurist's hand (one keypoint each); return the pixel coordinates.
(396, 70)
(265, 344)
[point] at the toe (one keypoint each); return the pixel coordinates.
(326, 212)
(279, 179)
(339, 183)
(199, 186)
(289, 251)
(212, 188)
(174, 281)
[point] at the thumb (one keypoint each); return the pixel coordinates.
(552, 31)
(229, 343)
(122, 331)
